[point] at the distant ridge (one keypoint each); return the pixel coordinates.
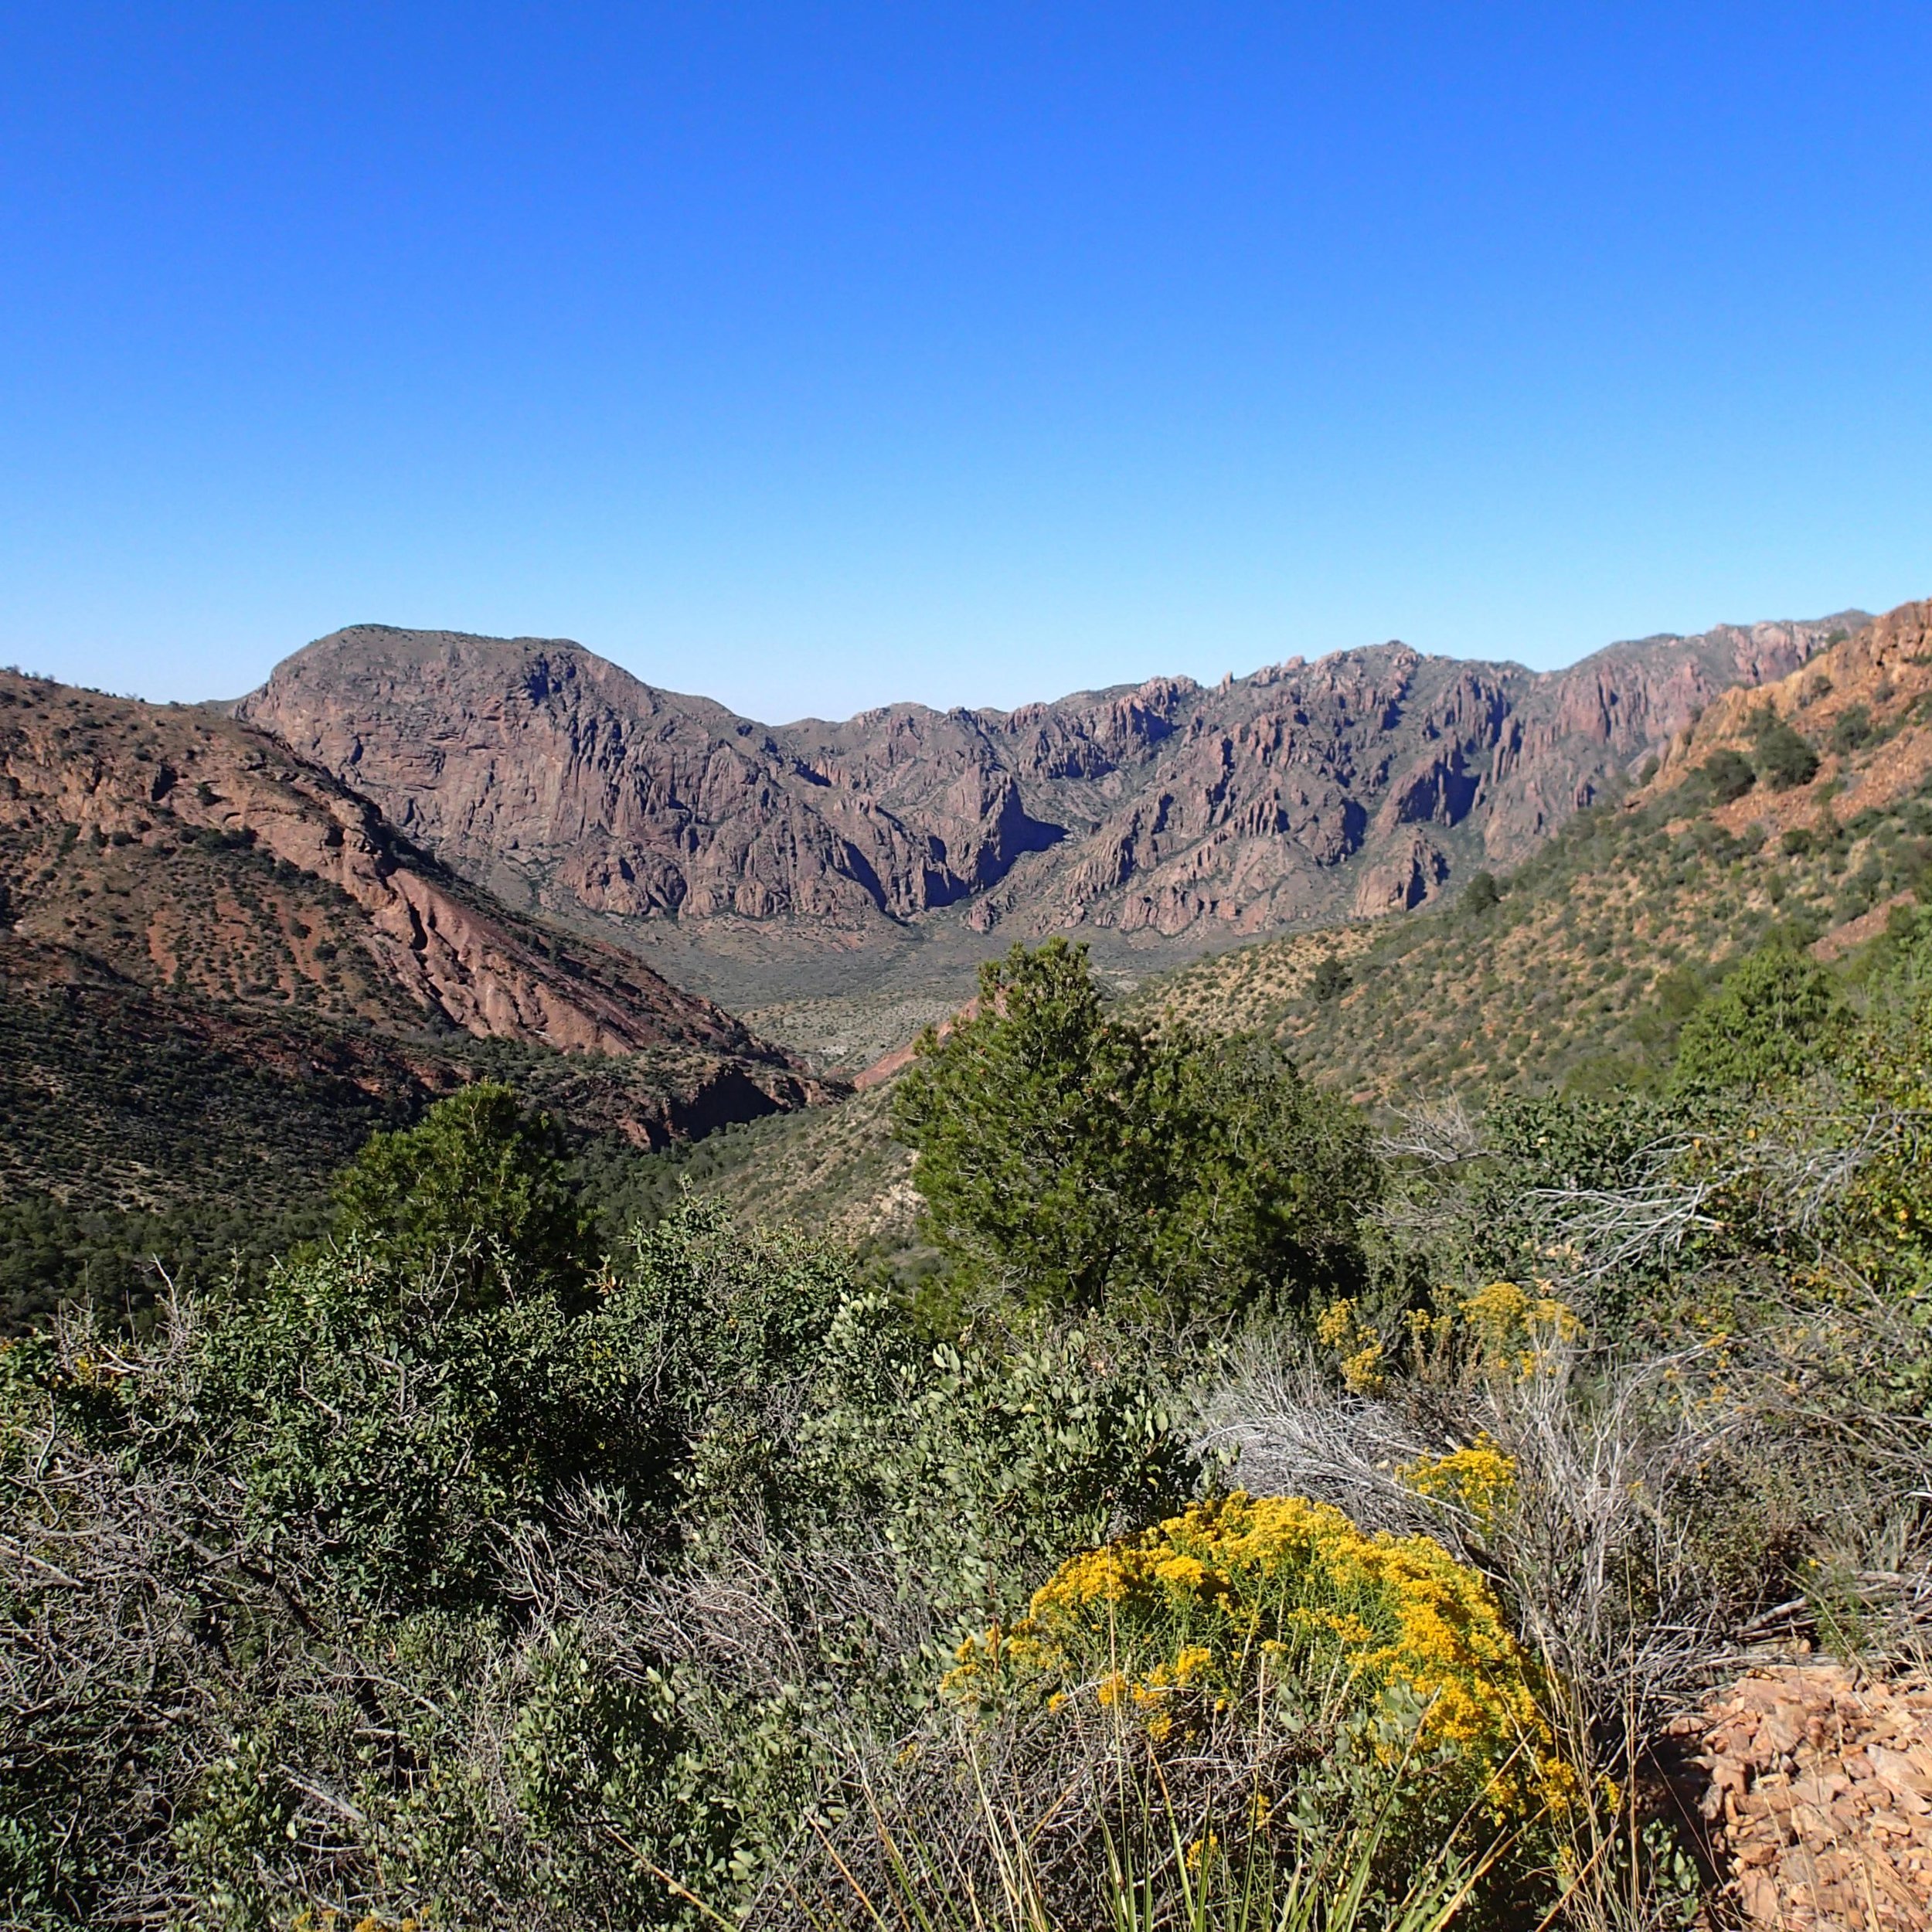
(1366, 782)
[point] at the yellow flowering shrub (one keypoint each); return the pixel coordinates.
(1480, 1480)
(1502, 1329)
(1245, 1602)
(1512, 1330)
(1363, 1370)
(328, 1919)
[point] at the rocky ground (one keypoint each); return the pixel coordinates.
(1819, 1797)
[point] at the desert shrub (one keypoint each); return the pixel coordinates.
(1330, 980)
(976, 1462)
(479, 1184)
(1852, 729)
(1478, 1481)
(383, 1431)
(1394, 1662)
(1770, 1019)
(1070, 1159)
(469, 1602)
(1726, 775)
(1481, 892)
(1783, 757)
(1499, 1199)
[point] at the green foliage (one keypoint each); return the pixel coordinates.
(1769, 1021)
(370, 1504)
(117, 1264)
(394, 1427)
(1481, 892)
(1783, 757)
(1852, 729)
(1070, 1159)
(1330, 980)
(1727, 775)
(797, 1402)
(479, 1184)
(987, 1459)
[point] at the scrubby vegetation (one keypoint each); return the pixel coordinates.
(1253, 1514)
(1579, 971)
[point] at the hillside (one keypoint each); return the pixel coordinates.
(871, 860)
(1580, 970)
(222, 967)
(1599, 945)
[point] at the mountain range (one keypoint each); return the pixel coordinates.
(233, 937)
(1167, 813)
(1574, 974)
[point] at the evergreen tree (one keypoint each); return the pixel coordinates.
(1072, 1159)
(1768, 1022)
(477, 1184)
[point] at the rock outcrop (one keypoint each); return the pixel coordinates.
(1864, 708)
(1365, 779)
(173, 850)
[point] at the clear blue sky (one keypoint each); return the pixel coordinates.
(815, 356)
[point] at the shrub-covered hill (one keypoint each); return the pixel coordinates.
(833, 1171)
(180, 850)
(1806, 808)
(220, 968)
(1577, 969)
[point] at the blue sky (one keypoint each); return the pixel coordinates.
(816, 356)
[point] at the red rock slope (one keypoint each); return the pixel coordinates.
(181, 853)
(1363, 781)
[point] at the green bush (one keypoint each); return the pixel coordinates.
(479, 1185)
(1727, 775)
(1770, 1021)
(1784, 758)
(1330, 980)
(628, 1558)
(1481, 892)
(1068, 1158)
(1852, 729)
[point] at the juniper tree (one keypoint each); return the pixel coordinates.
(1073, 1159)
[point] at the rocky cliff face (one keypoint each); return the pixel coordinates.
(1366, 781)
(1865, 707)
(176, 851)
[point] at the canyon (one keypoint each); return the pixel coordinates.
(1163, 817)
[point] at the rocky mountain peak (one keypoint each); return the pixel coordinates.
(1366, 780)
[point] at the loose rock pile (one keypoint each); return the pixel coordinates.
(1820, 1797)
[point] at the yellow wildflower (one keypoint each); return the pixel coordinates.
(1481, 1480)
(1227, 1600)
